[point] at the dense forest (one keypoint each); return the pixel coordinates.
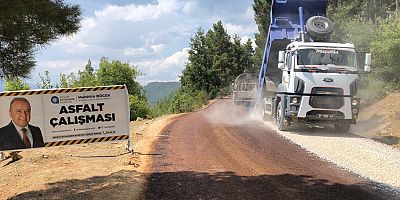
(372, 26)
(215, 57)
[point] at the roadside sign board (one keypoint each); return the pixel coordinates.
(68, 116)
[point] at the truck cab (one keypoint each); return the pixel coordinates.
(319, 84)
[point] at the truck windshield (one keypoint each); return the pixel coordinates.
(327, 57)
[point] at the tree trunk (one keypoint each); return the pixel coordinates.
(369, 9)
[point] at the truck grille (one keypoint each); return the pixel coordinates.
(327, 98)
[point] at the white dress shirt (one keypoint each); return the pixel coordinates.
(28, 133)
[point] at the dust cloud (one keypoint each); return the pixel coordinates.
(229, 114)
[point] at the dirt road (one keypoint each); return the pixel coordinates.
(220, 153)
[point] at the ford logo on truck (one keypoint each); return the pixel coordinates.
(328, 80)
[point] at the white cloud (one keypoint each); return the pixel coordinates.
(241, 30)
(158, 48)
(190, 8)
(148, 49)
(55, 67)
(87, 27)
(166, 69)
(64, 66)
(88, 23)
(136, 13)
(135, 52)
(154, 35)
(249, 15)
(177, 59)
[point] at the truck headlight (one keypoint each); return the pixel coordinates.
(354, 102)
(355, 111)
(295, 100)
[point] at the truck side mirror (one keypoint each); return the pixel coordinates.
(367, 67)
(281, 58)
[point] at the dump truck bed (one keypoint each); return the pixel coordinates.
(284, 28)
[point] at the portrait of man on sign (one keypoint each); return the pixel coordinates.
(19, 134)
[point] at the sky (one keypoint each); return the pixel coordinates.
(153, 35)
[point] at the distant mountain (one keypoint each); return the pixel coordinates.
(159, 90)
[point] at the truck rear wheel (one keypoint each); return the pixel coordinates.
(280, 117)
(343, 126)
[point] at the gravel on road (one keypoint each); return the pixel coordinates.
(368, 158)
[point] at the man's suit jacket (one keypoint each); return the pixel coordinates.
(10, 139)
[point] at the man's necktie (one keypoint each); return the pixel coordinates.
(26, 139)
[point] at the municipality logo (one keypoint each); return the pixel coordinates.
(55, 100)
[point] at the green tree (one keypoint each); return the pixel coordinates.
(243, 57)
(118, 73)
(28, 24)
(219, 43)
(63, 81)
(15, 84)
(215, 59)
(261, 10)
(187, 100)
(344, 13)
(139, 107)
(84, 78)
(45, 82)
(385, 50)
(69, 81)
(87, 77)
(196, 74)
(112, 73)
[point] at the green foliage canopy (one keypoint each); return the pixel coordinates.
(45, 82)
(261, 10)
(28, 24)
(112, 73)
(385, 50)
(118, 73)
(15, 84)
(215, 59)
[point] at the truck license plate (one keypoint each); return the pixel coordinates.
(326, 116)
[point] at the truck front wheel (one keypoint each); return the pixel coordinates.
(343, 126)
(280, 117)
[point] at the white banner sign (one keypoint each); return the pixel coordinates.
(38, 118)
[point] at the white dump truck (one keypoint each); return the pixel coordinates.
(305, 77)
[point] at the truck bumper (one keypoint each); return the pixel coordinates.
(301, 110)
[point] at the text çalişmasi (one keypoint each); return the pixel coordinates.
(82, 119)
